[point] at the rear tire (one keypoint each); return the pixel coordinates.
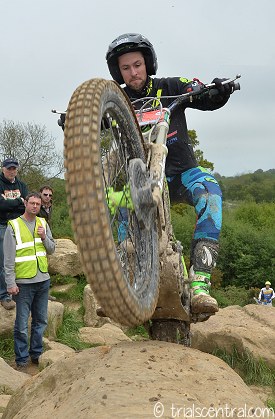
(170, 330)
(120, 258)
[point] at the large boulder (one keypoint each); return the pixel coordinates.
(108, 334)
(250, 328)
(91, 319)
(65, 260)
(10, 379)
(135, 380)
(55, 318)
(7, 318)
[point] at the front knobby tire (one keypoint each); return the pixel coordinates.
(119, 257)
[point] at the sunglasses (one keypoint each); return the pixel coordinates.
(47, 194)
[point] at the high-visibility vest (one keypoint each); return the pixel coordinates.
(30, 251)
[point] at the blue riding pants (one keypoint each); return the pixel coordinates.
(200, 189)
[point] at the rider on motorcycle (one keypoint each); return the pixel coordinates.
(132, 61)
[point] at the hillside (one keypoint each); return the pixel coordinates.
(258, 186)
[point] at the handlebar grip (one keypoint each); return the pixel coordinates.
(237, 86)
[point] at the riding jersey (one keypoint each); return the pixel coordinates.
(181, 155)
(266, 294)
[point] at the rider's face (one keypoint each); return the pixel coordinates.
(133, 70)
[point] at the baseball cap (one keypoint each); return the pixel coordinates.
(10, 162)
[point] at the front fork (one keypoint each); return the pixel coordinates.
(156, 164)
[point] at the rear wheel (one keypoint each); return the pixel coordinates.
(170, 330)
(119, 255)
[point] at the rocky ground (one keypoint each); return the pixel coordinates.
(133, 380)
(124, 378)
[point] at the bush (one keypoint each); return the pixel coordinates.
(233, 295)
(247, 248)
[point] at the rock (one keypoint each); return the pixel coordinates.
(66, 259)
(7, 318)
(51, 344)
(91, 319)
(135, 380)
(90, 305)
(4, 399)
(108, 334)
(55, 318)
(264, 393)
(51, 356)
(10, 379)
(249, 328)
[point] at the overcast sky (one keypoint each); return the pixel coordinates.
(48, 48)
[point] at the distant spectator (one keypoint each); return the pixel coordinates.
(267, 294)
(46, 207)
(46, 193)
(12, 195)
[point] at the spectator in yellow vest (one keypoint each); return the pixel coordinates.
(27, 241)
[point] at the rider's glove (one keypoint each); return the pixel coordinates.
(223, 89)
(61, 121)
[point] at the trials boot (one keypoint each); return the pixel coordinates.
(201, 301)
(203, 257)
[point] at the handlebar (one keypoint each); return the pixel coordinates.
(236, 86)
(200, 90)
(210, 89)
(61, 120)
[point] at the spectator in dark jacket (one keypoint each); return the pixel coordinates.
(12, 195)
(46, 207)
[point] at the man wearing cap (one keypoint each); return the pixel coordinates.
(12, 194)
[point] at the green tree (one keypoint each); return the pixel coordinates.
(198, 153)
(183, 220)
(254, 187)
(61, 221)
(35, 149)
(247, 251)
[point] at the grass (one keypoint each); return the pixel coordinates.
(5, 390)
(270, 403)
(137, 330)
(6, 348)
(68, 333)
(74, 293)
(253, 371)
